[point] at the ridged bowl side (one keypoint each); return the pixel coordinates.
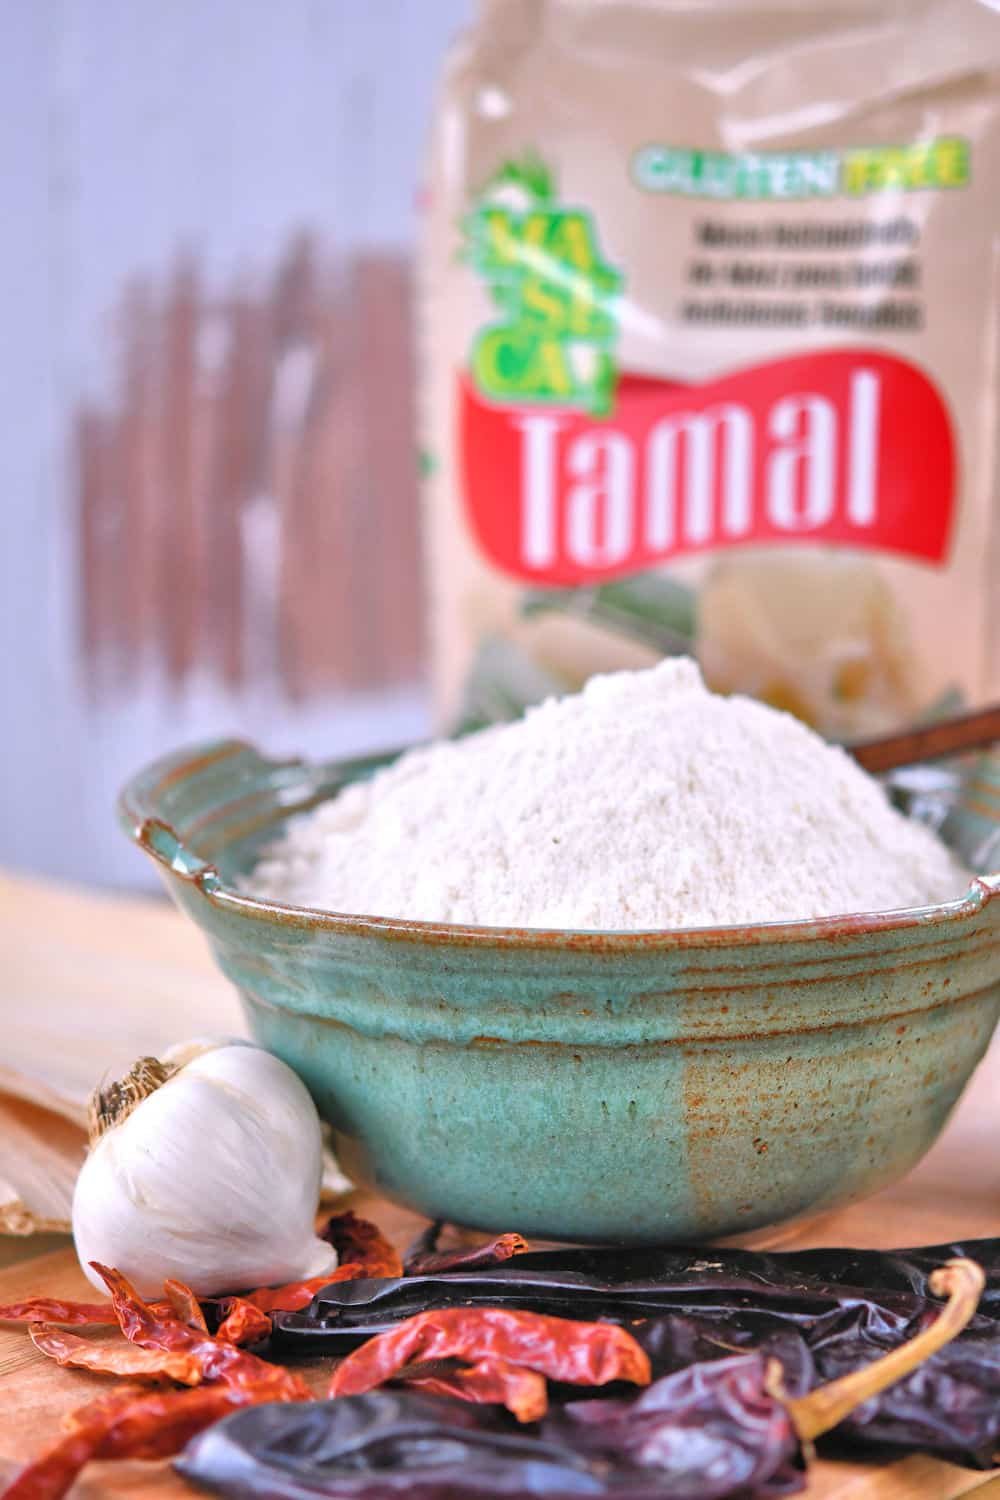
(631, 1087)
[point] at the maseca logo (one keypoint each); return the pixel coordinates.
(575, 472)
(555, 294)
(847, 447)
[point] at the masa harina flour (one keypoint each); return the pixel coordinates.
(644, 801)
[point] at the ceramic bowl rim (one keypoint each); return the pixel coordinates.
(158, 839)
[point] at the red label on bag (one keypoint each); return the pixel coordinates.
(848, 448)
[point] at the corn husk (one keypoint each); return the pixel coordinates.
(649, 607)
(91, 982)
(39, 1159)
(95, 981)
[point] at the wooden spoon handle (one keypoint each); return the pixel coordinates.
(973, 731)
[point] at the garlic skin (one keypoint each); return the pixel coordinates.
(213, 1179)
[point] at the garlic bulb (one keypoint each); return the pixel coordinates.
(206, 1167)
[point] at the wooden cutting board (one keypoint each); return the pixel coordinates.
(35, 1394)
(953, 1194)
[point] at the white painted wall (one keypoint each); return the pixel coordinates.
(134, 130)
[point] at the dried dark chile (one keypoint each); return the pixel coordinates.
(585, 1283)
(948, 1406)
(392, 1443)
(715, 1430)
(711, 1430)
(676, 1342)
(820, 1312)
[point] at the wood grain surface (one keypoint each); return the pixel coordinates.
(73, 943)
(35, 1394)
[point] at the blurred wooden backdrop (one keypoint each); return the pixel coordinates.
(207, 458)
(246, 495)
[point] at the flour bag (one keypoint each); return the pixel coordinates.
(709, 321)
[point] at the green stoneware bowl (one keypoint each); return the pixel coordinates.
(633, 1088)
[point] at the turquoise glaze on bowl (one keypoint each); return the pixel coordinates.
(627, 1087)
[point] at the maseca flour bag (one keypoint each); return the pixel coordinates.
(710, 321)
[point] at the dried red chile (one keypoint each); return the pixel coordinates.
(579, 1354)
(171, 1340)
(125, 1425)
(217, 1359)
(424, 1258)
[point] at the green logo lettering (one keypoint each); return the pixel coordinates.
(556, 295)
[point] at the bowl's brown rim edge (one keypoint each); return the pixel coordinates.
(140, 823)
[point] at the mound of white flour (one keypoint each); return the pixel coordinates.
(644, 801)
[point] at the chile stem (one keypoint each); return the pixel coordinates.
(962, 1282)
